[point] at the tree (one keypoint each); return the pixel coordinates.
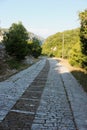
(35, 47)
(83, 31)
(16, 41)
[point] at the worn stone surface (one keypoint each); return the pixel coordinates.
(77, 98)
(12, 88)
(37, 100)
(54, 111)
(22, 113)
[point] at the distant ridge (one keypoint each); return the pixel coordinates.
(32, 35)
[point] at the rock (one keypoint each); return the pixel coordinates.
(2, 52)
(28, 60)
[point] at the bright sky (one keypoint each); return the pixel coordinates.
(42, 17)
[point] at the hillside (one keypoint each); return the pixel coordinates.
(61, 43)
(66, 45)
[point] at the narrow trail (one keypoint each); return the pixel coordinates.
(48, 98)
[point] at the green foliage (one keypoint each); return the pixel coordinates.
(54, 44)
(83, 36)
(16, 41)
(35, 47)
(75, 44)
(76, 56)
(13, 64)
(83, 31)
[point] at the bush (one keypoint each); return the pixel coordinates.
(76, 56)
(35, 47)
(13, 64)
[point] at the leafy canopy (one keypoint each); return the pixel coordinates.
(16, 41)
(83, 31)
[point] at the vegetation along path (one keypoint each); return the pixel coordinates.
(43, 97)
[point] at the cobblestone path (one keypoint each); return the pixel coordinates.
(54, 111)
(53, 100)
(21, 115)
(12, 88)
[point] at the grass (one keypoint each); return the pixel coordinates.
(13, 64)
(18, 65)
(81, 77)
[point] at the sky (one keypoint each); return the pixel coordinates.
(42, 17)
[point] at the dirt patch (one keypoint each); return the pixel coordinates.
(71, 68)
(6, 71)
(79, 73)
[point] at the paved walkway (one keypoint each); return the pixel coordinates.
(48, 99)
(54, 111)
(12, 89)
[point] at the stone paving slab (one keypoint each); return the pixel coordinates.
(21, 115)
(17, 121)
(12, 88)
(54, 112)
(63, 104)
(77, 97)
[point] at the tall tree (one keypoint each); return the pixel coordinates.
(83, 31)
(16, 41)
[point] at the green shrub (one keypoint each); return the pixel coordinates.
(35, 47)
(13, 64)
